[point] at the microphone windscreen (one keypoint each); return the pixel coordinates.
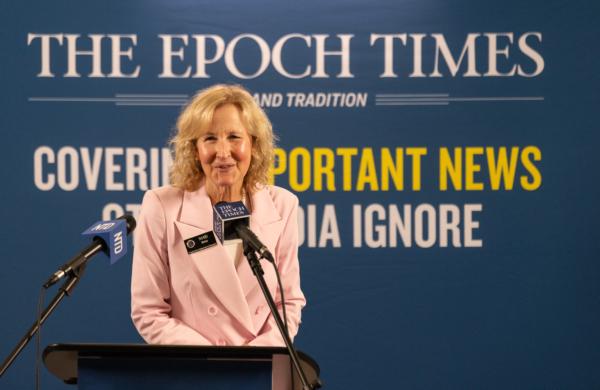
(227, 215)
(114, 236)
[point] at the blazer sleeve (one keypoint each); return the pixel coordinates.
(150, 287)
(286, 259)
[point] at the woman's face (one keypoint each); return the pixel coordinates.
(224, 152)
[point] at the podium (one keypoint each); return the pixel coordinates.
(174, 367)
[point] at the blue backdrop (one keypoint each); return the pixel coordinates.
(444, 154)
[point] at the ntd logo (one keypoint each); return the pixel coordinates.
(103, 226)
(118, 240)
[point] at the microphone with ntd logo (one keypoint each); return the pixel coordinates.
(114, 234)
(109, 237)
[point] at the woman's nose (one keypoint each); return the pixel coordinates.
(223, 148)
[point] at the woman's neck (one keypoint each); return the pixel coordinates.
(224, 194)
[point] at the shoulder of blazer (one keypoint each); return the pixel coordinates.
(170, 199)
(283, 200)
(168, 194)
(280, 195)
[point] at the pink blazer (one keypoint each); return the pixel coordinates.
(201, 298)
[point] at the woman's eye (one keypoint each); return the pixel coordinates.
(210, 138)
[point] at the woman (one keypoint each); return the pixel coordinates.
(223, 151)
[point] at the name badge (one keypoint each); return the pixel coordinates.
(200, 242)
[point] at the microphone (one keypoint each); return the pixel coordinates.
(250, 238)
(109, 237)
(231, 220)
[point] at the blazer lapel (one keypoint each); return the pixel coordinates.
(267, 224)
(213, 263)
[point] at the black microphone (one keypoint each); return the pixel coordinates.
(249, 237)
(108, 237)
(230, 220)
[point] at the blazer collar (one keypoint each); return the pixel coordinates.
(264, 210)
(194, 209)
(195, 206)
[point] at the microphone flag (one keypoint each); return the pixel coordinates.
(114, 234)
(226, 216)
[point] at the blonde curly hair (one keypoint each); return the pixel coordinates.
(195, 118)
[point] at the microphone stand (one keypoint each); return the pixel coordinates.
(65, 289)
(258, 272)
